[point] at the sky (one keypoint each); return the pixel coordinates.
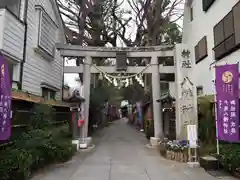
(70, 79)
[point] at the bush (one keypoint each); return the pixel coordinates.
(43, 116)
(33, 150)
(149, 128)
(229, 153)
(206, 127)
(230, 157)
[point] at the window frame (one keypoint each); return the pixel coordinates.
(52, 95)
(198, 56)
(48, 94)
(191, 13)
(227, 45)
(45, 93)
(50, 55)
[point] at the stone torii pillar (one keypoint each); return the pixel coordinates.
(157, 111)
(87, 88)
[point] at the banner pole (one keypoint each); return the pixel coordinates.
(216, 123)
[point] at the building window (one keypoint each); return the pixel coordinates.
(45, 93)
(47, 33)
(191, 13)
(201, 50)
(199, 91)
(48, 94)
(226, 33)
(52, 95)
(206, 4)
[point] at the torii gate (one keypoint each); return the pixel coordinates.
(182, 59)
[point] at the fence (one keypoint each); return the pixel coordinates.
(22, 120)
(25, 117)
(39, 115)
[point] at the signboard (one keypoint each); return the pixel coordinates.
(227, 120)
(192, 135)
(192, 132)
(5, 101)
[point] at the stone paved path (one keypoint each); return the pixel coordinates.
(122, 155)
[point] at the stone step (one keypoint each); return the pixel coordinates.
(209, 163)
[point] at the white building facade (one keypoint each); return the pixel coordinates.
(211, 28)
(29, 30)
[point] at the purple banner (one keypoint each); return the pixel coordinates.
(5, 101)
(227, 102)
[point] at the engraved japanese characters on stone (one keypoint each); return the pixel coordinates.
(186, 62)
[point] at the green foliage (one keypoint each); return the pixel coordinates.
(98, 96)
(230, 157)
(36, 146)
(229, 153)
(172, 34)
(133, 93)
(148, 127)
(33, 150)
(42, 116)
(207, 127)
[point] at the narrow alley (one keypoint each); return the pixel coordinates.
(121, 153)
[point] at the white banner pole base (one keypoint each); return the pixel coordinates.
(193, 164)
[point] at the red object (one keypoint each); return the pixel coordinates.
(80, 122)
(73, 116)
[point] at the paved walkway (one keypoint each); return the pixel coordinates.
(122, 155)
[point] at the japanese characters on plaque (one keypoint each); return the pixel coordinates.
(186, 60)
(5, 101)
(227, 81)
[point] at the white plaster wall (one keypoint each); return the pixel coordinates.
(202, 25)
(36, 68)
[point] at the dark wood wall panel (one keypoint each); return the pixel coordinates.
(201, 50)
(218, 33)
(228, 25)
(203, 47)
(227, 33)
(196, 53)
(219, 50)
(230, 43)
(236, 20)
